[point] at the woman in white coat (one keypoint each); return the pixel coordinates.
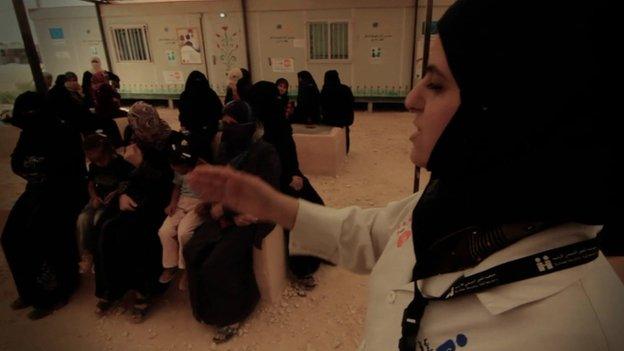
(500, 245)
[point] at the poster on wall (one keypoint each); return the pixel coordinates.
(375, 55)
(282, 64)
(190, 46)
(57, 35)
(171, 57)
(173, 77)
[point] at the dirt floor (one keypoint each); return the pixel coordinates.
(329, 318)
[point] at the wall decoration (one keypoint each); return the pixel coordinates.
(190, 45)
(282, 64)
(56, 33)
(375, 55)
(171, 57)
(173, 77)
(227, 44)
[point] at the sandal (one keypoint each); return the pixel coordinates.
(308, 282)
(104, 306)
(225, 333)
(138, 311)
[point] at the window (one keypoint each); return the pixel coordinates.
(328, 40)
(131, 43)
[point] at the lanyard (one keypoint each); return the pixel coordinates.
(536, 265)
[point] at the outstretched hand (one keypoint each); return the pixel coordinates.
(243, 193)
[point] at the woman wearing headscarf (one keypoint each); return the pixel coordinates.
(243, 85)
(285, 103)
(218, 257)
(266, 108)
(129, 252)
(200, 112)
(63, 103)
(498, 252)
(337, 103)
(74, 88)
(234, 75)
(308, 108)
(39, 239)
(107, 108)
(87, 76)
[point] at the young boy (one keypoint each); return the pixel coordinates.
(182, 217)
(107, 173)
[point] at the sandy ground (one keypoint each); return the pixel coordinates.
(329, 318)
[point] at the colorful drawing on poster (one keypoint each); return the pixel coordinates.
(227, 44)
(173, 77)
(282, 64)
(375, 55)
(171, 57)
(190, 45)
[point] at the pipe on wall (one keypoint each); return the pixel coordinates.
(29, 46)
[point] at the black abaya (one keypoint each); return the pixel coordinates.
(39, 239)
(129, 253)
(222, 284)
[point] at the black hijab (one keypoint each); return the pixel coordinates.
(243, 85)
(266, 108)
(306, 79)
(526, 127)
(331, 79)
(28, 111)
(200, 106)
(237, 138)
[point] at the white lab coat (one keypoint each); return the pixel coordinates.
(580, 308)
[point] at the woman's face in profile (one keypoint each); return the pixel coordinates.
(434, 101)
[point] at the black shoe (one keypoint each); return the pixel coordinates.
(39, 313)
(19, 304)
(104, 306)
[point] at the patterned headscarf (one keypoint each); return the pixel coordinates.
(147, 126)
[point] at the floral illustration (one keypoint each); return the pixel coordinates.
(227, 44)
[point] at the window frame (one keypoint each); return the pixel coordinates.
(144, 28)
(329, 22)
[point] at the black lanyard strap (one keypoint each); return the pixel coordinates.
(543, 263)
(536, 265)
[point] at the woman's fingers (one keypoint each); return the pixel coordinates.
(209, 182)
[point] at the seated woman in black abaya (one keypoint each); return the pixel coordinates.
(221, 280)
(129, 253)
(266, 107)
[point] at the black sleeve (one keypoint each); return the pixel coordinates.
(287, 151)
(86, 88)
(229, 95)
(349, 106)
(150, 183)
(308, 106)
(112, 76)
(18, 156)
(269, 170)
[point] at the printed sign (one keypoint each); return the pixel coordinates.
(173, 77)
(190, 45)
(283, 64)
(56, 33)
